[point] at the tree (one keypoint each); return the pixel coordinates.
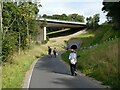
(75, 17)
(28, 11)
(18, 26)
(63, 17)
(89, 22)
(96, 19)
(92, 22)
(71, 17)
(113, 13)
(56, 16)
(44, 16)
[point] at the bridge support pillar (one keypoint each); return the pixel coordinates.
(41, 35)
(44, 33)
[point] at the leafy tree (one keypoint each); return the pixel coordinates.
(89, 22)
(18, 26)
(76, 17)
(28, 11)
(44, 16)
(92, 22)
(71, 17)
(96, 19)
(113, 12)
(56, 16)
(63, 17)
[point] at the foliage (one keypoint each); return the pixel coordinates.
(13, 74)
(18, 26)
(43, 23)
(10, 44)
(76, 18)
(113, 14)
(98, 54)
(45, 41)
(92, 22)
(72, 17)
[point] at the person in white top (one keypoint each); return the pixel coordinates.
(73, 62)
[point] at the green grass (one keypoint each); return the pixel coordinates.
(101, 35)
(13, 74)
(100, 61)
(0, 76)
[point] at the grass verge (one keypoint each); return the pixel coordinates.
(98, 55)
(0, 76)
(14, 73)
(101, 63)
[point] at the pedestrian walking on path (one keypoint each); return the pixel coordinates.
(49, 51)
(55, 52)
(73, 62)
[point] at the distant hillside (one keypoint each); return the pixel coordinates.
(98, 55)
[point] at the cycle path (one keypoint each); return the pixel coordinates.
(51, 72)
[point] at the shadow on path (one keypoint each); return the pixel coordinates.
(52, 64)
(52, 73)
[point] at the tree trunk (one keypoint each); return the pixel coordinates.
(28, 38)
(1, 17)
(19, 42)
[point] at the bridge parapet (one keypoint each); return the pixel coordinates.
(62, 21)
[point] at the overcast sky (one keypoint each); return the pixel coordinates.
(82, 7)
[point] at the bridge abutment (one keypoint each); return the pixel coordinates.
(41, 35)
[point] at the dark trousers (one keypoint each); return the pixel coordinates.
(73, 68)
(55, 54)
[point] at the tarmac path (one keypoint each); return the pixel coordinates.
(51, 72)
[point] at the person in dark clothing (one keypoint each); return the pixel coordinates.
(73, 69)
(55, 52)
(73, 62)
(49, 51)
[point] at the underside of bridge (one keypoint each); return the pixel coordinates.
(58, 32)
(56, 24)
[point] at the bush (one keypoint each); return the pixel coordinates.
(9, 45)
(44, 42)
(47, 38)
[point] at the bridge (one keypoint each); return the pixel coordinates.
(44, 23)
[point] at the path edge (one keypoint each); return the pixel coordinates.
(28, 75)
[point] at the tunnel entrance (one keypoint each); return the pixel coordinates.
(74, 47)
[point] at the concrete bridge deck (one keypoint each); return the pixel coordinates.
(62, 23)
